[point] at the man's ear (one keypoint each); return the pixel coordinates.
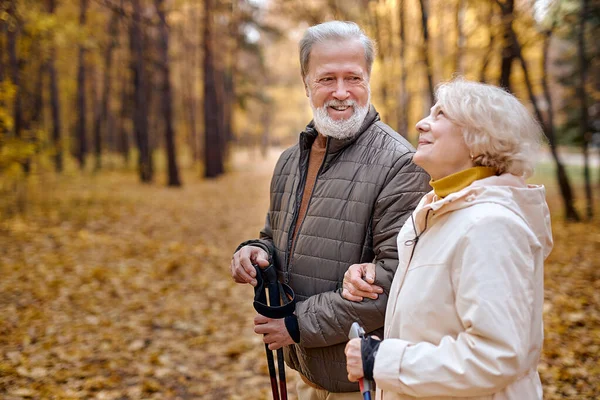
(305, 86)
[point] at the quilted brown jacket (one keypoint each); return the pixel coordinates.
(365, 189)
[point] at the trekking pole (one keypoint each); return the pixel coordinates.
(273, 299)
(260, 295)
(357, 331)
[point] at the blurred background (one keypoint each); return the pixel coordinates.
(137, 140)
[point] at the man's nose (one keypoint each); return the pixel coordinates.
(341, 91)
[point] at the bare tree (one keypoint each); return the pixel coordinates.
(15, 75)
(584, 127)
(81, 98)
(509, 52)
(190, 66)
(3, 127)
(167, 107)
(213, 155)
(381, 57)
(140, 100)
(55, 100)
(102, 114)
(460, 36)
(125, 115)
(548, 125)
(489, 48)
(425, 31)
(403, 95)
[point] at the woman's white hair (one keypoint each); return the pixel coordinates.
(498, 130)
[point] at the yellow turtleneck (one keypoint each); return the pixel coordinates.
(460, 180)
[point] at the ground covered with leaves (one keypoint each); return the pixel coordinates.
(114, 290)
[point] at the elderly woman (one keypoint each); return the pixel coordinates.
(464, 313)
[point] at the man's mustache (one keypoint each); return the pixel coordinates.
(339, 103)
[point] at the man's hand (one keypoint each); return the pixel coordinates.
(358, 283)
(275, 333)
(242, 270)
(354, 364)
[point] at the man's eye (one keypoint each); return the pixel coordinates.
(326, 79)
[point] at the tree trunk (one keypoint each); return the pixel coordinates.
(221, 101)
(561, 174)
(11, 42)
(383, 87)
(173, 172)
(584, 127)
(96, 118)
(81, 98)
(19, 121)
(228, 77)
(140, 101)
(508, 48)
(460, 37)
(425, 32)
(55, 101)
(189, 101)
(3, 127)
(547, 124)
(125, 114)
(106, 85)
(37, 119)
(213, 156)
(403, 96)
(488, 50)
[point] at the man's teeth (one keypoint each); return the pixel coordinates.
(340, 108)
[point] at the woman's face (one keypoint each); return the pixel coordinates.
(442, 150)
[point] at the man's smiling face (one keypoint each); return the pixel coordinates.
(337, 78)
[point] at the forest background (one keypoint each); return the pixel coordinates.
(137, 140)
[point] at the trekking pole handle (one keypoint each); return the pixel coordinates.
(357, 331)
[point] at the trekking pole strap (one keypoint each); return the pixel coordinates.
(267, 278)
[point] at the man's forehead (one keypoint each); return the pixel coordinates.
(336, 55)
(342, 45)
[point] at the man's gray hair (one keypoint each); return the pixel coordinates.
(334, 30)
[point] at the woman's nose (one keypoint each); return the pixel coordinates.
(423, 125)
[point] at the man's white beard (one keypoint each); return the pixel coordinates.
(342, 128)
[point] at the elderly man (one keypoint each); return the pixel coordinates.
(338, 197)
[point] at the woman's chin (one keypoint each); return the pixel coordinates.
(420, 159)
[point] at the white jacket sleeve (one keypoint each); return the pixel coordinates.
(493, 279)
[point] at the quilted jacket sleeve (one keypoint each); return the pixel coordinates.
(325, 319)
(494, 297)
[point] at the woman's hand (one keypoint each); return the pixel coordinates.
(354, 357)
(354, 364)
(358, 283)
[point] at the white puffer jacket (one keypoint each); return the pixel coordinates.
(464, 315)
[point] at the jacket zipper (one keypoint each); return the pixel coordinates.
(291, 247)
(414, 241)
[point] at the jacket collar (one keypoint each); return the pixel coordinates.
(478, 191)
(336, 145)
